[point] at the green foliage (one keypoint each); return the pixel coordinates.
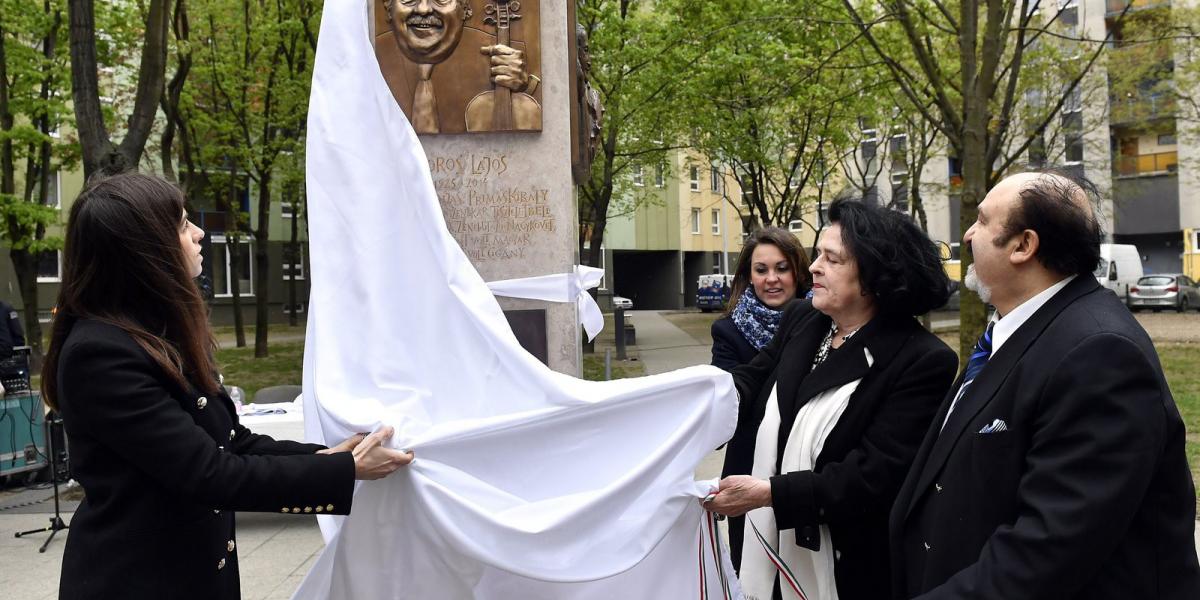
(637, 65)
(774, 93)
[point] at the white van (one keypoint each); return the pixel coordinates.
(1120, 267)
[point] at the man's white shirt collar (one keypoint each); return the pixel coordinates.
(1009, 324)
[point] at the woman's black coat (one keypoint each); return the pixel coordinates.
(730, 348)
(163, 469)
(866, 455)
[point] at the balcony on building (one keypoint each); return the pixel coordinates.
(1142, 109)
(1159, 163)
(1116, 7)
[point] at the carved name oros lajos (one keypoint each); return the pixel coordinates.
(455, 71)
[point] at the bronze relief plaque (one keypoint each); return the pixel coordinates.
(462, 66)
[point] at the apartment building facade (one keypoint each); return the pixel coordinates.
(675, 224)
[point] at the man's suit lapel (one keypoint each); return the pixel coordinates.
(986, 384)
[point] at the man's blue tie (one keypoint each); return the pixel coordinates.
(983, 351)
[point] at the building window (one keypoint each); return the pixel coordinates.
(716, 221)
(1037, 150)
(1068, 16)
(898, 149)
(1072, 124)
(292, 266)
(299, 309)
(287, 209)
(660, 175)
(221, 267)
(717, 267)
(1196, 241)
(49, 266)
(695, 178)
(695, 220)
(714, 178)
(1166, 139)
(637, 176)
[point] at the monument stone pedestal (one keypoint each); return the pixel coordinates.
(508, 197)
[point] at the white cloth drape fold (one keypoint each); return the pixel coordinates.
(527, 483)
(560, 287)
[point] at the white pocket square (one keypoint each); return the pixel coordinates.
(997, 426)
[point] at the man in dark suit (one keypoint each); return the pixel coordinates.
(1055, 467)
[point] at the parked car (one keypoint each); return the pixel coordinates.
(622, 303)
(1168, 290)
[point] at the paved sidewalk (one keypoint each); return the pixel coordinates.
(664, 347)
(274, 554)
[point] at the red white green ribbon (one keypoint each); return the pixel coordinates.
(785, 573)
(714, 541)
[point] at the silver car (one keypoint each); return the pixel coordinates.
(1168, 290)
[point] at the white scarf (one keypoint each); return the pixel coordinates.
(813, 572)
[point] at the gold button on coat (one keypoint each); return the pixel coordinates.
(220, 564)
(296, 509)
(329, 507)
(231, 433)
(285, 509)
(201, 402)
(307, 509)
(320, 509)
(230, 545)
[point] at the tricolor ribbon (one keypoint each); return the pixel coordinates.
(785, 573)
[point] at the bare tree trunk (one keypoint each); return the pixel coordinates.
(234, 249)
(262, 235)
(170, 98)
(99, 153)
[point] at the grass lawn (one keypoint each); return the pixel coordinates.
(695, 323)
(593, 367)
(1181, 362)
(284, 366)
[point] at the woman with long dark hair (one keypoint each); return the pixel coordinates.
(772, 270)
(155, 441)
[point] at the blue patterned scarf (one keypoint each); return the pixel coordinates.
(755, 320)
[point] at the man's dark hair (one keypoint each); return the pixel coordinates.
(897, 262)
(1068, 236)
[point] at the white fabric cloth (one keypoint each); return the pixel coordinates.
(813, 571)
(561, 287)
(527, 483)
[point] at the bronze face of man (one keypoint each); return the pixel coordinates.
(428, 31)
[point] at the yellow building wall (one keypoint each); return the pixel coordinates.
(1191, 253)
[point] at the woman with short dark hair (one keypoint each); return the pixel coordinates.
(155, 440)
(832, 412)
(772, 270)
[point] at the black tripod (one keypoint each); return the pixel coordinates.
(56, 522)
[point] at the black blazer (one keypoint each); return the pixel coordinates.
(1084, 493)
(868, 452)
(163, 469)
(730, 348)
